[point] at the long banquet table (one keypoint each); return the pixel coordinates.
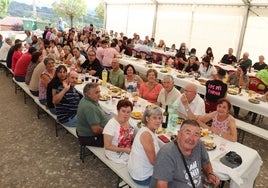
(237, 100)
(242, 176)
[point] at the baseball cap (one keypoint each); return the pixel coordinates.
(231, 159)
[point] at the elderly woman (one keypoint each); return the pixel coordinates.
(145, 147)
(206, 69)
(132, 81)
(118, 133)
(223, 124)
(67, 55)
(150, 90)
(45, 78)
(161, 45)
(239, 79)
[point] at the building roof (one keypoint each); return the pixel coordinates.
(9, 20)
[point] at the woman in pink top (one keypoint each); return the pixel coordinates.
(108, 55)
(16, 55)
(223, 124)
(150, 90)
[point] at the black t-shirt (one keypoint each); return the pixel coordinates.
(226, 59)
(215, 90)
(95, 65)
(257, 66)
(53, 84)
(9, 56)
(191, 68)
(183, 56)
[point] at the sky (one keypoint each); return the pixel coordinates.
(92, 4)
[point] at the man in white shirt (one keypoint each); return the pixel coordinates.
(78, 59)
(168, 94)
(190, 104)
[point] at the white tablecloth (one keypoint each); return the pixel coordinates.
(237, 100)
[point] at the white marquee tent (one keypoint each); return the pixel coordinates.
(220, 24)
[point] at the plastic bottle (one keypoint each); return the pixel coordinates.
(104, 76)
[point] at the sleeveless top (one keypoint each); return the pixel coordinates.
(133, 85)
(42, 88)
(222, 125)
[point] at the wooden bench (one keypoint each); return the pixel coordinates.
(252, 129)
(119, 169)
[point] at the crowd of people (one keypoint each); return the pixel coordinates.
(88, 51)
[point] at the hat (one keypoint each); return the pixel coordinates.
(231, 159)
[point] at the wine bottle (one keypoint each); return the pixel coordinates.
(165, 118)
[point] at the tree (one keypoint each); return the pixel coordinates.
(100, 10)
(70, 8)
(3, 6)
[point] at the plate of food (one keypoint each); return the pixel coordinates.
(208, 142)
(164, 70)
(180, 121)
(160, 130)
(180, 75)
(202, 81)
(104, 97)
(79, 81)
(205, 132)
(254, 101)
(232, 91)
(136, 115)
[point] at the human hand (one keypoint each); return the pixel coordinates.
(213, 179)
(66, 85)
(127, 150)
(184, 100)
(215, 130)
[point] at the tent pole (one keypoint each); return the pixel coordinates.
(105, 17)
(242, 33)
(155, 19)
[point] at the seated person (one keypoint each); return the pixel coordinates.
(229, 58)
(261, 64)
(91, 118)
(191, 66)
(215, 90)
(36, 59)
(223, 124)
(169, 169)
(245, 61)
(168, 94)
(180, 58)
(78, 59)
(161, 45)
(45, 78)
(22, 65)
(206, 69)
(66, 59)
(92, 65)
(263, 75)
(118, 133)
(239, 79)
(59, 77)
(150, 90)
(66, 100)
(190, 104)
(145, 147)
(132, 80)
(116, 75)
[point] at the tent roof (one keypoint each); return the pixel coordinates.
(200, 2)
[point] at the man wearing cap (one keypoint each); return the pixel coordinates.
(215, 90)
(183, 162)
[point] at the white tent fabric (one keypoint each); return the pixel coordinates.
(199, 23)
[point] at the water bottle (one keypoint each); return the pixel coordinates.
(104, 76)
